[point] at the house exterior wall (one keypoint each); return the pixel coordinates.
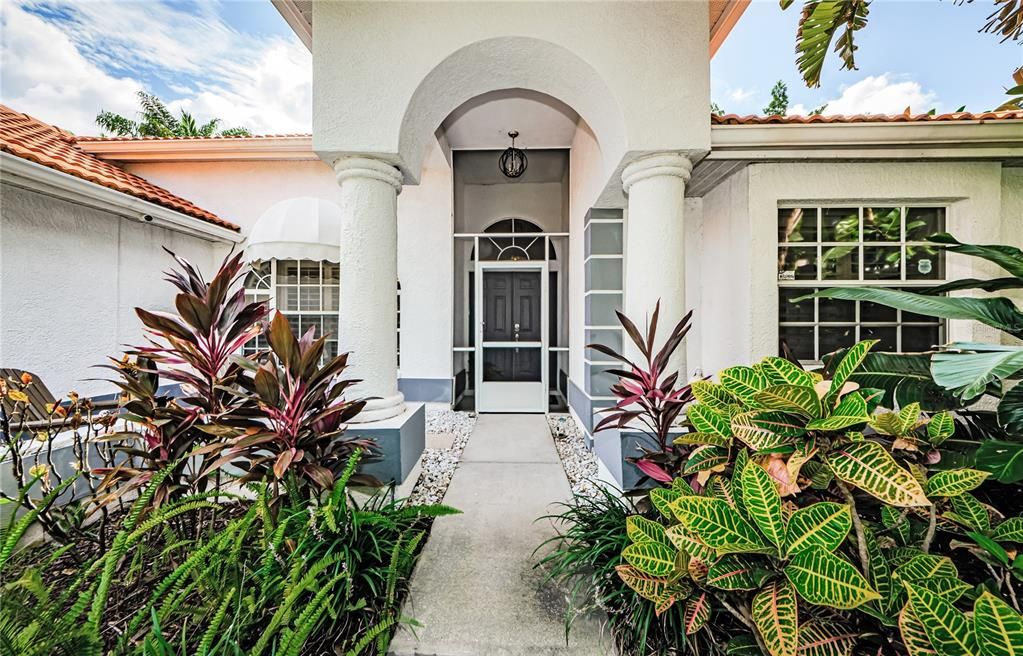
(72, 276)
(740, 298)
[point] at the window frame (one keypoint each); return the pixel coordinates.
(820, 282)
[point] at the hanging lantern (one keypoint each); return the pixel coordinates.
(513, 161)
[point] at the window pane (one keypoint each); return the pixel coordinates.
(287, 272)
(882, 262)
(309, 298)
(259, 276)
(922, 222)
(876, 312)
(330, 299)
(924, 263)
(295, 326)
(840, 263)
(838, 224)
(330, 325)
(331, 273)
(799, 340)
(887, 335)
(920, 338)
(831, 309)
(310, 321)
(789, 311)
(797, 263)
(882, 224)
(836, 337)
(287, 298)
(309, 272)
(330, 349)
(511, 364)
(796, 225)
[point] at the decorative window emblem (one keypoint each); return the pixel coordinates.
(513, 161)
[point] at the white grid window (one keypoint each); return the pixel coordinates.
(305, 291)
(848, 245)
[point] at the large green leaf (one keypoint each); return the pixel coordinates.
(717, 525)
(905, 378)
(941, 427)
(824, 524)
(661, 498)
(968, 508)
(1009, 258)
(798, 399)
(737, 572)
(704, 458)
(1011, 530)
(999, 628)
(650, 558)
(914, 637)
(969, 374)
(763, 503)
(759, 430)
(697, 612)
(868, 466)
(851, 410)
(954, 482)
(1002, 458)
(819, 23)
(849, 363)
(1010, 411)
(639, 529)
(926, 566)
(712, 394)
(661, 591)
(706, 419)
(825, 579)
(998, 313)
(743, 382)
(776, 616)
(691, 546)
(947, 628)
(819, 638)
(780, 371)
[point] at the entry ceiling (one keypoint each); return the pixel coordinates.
(484, 121)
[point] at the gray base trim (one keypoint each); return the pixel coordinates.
(400, 442)
(427, 390)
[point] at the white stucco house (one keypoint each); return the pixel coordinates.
(393, 227)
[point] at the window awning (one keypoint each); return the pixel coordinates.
(303, 228)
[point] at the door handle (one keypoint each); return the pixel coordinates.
(516, 332)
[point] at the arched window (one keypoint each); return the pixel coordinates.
(307, 292)
(514, 240)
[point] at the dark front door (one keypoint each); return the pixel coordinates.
(511, 315)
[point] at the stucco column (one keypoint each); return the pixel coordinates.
(369, 275)
(654, 246)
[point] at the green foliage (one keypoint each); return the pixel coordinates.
(779, 104)
(156, 120)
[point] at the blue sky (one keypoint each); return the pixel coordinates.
(63, 61)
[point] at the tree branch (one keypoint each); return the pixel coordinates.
(861, 540)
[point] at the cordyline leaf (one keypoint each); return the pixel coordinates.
(868, 466)
(818, 638)
(824, 524)
(650, 558)
(954, 482)
(999, 628)
(697, 613)
(763, 503)
(654, 471)
(718, 525)
(824, 579)
(775, 614)
(947, 628)
(737, 572)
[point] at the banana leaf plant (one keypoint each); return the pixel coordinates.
(196, 349)
(959, 374)
(649, 396)
(291, 428)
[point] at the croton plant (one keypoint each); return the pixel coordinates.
(813, 517)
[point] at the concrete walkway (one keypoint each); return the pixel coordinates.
(475, 590)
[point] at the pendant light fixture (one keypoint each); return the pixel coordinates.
(513, 161)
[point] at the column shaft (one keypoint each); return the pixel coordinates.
(369, 275)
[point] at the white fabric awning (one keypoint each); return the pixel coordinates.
(303, 228)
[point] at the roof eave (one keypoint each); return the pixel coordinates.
(293, 16)
(720, 30)
(200, 150)
(23, 173)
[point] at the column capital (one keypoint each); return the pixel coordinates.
(367, 168)
(657, 165)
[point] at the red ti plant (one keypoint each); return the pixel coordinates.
(649, 397)
(292, 431)
(196, 348)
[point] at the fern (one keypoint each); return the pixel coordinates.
(214, 627)
(12, 536)
(309, 619)
(379, 629)
(142, 502)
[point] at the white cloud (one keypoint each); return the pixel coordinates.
(877, 94)
(261, 83)
(741, 95)
(44, 75)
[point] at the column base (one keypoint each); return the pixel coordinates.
(380, 409)
(400, 442)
